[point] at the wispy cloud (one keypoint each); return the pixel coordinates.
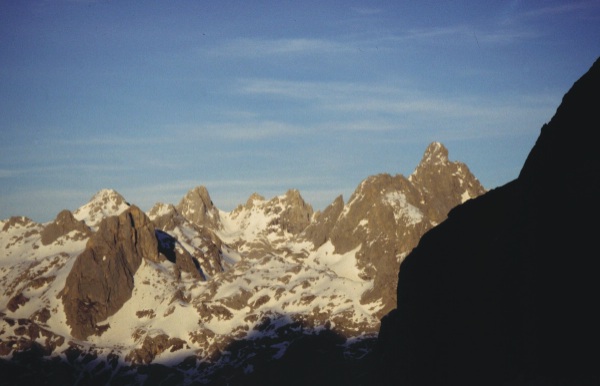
(62, 168)
(259, 47)
(112, 140)
(312, 90)
(562, 9)
(253, 130)
(461, 33)
(236, 130)
(356, 97)
(389, 107)
(582, 9)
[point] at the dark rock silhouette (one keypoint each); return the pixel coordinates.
(505, 291)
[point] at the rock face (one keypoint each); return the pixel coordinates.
(101, 279)
(505, 291)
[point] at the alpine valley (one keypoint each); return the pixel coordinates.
(190, 294)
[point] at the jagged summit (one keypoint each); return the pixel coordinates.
(436, 153)
(437, 176)
(197, 207)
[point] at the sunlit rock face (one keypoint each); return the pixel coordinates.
(504, 292)
(101, 279)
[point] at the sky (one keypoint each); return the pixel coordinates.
(153, 98)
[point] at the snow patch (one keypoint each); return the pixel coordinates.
(403, 210)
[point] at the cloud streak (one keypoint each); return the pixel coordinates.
(562, 9)
(260, 47)
(394, 103)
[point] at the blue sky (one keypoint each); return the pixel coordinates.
(153, 98)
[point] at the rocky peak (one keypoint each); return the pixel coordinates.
(15, 231)
(101, 279)
(64, 223)
(17, 222)
(253, 200)
(105, 203)
(435, 154)
(193, 248)
(163, 215)
(436, 176)
(293, 213)
(197, 207)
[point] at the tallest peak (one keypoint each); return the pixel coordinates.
(435, 153)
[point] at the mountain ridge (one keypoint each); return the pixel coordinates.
(189, 282)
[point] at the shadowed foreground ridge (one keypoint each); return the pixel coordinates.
(505, 291)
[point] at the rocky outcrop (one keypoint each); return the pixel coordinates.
(153, 346)
(504, 292)
(197, 207)
(17, 221)
(319, 230)
(169, 247)
(17, 301)
(64, 223)
(101, 279)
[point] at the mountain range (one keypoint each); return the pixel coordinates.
(188, 293)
